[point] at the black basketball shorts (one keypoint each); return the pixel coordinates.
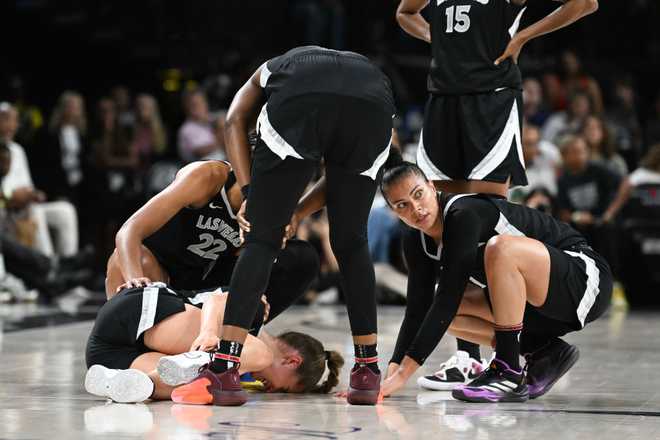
(473, 137)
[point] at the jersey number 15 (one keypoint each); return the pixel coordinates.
(458, 19)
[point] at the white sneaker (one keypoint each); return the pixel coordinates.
(123, 386)
(458, 370)
(182, 368)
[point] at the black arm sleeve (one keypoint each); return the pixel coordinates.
(421, 285)
(460, 243)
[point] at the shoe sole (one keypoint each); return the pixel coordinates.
(197, 393)
(126, 386)
(459, 394)
(568, 358)
(433, 385)
(362, 397)
(173, 372)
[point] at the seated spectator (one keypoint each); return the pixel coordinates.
(587, 198)
(577, 81)
(196, 138)
(569, 121)
(623, 116)
(60, 157)
(535, 110)
(542, 160)
(60, 217)
(649, 169)
(149, 134)
(116, 163)
(653, 124)
(603, 151)
(121, 97)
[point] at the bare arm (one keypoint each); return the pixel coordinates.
(409, 18)
(204, 177)
(570, 12)
(622, 196)
(241, 115)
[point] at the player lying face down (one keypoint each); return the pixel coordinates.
(539, 273)
(131, 351)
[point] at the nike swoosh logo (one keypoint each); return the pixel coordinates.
(212, 206)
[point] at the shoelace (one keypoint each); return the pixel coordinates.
(452, 362)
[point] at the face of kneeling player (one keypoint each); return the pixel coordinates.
(413, 199)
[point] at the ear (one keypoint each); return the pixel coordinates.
(292, 360)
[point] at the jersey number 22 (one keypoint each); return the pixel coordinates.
(458, 19)
(202, 248)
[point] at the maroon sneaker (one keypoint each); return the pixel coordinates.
(222, 389)
(364, 386)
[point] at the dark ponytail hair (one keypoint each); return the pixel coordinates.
(395, 169)
(313, 364)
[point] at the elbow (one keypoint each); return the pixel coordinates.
(590, 6)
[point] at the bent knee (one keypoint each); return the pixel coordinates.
(500, 247)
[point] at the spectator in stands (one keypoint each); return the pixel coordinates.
(541, 161)
(653, 123)
(535, 109)
(219, 129)
(60, 159)
(587, 198)
(60, 217)
(121, 96)
(602, 148)
(149, 133)
(196, 138)
(623, 114)
(569, 121)
(577, 81)
(116, 162)
(649, 168)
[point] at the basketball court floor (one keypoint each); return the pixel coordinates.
(613, 392)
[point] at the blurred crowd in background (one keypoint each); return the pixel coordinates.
(83, 145)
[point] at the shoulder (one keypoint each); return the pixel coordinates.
(207, 173)
(460, 203)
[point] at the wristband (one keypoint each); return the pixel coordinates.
(245, 190)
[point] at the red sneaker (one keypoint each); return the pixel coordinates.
(222, 389)
(364, 386)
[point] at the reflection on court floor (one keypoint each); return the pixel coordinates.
(613, 392)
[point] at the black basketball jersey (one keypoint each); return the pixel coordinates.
(199, 237)
(467, 36)
(313, 69)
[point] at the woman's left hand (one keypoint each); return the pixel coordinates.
(394, 383)
(512, 50)
(206, 341)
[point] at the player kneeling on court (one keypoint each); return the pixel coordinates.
(543, 279)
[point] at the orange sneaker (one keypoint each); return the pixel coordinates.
(222, 389)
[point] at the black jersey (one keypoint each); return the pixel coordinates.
(467, 36)
(313, 69)
(470, 220)
(199, 237)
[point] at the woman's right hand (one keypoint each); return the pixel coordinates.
(206, 341)
(134, 282)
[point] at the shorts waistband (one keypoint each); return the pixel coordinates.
(580, 247)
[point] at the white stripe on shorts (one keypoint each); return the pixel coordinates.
(425, 164)
(372, 172)
(265, 74)
(502, 147)
(592, 289)
(272, 138)
(149, 306)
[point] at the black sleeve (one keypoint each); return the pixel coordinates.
(419, 296)
(460, 237)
